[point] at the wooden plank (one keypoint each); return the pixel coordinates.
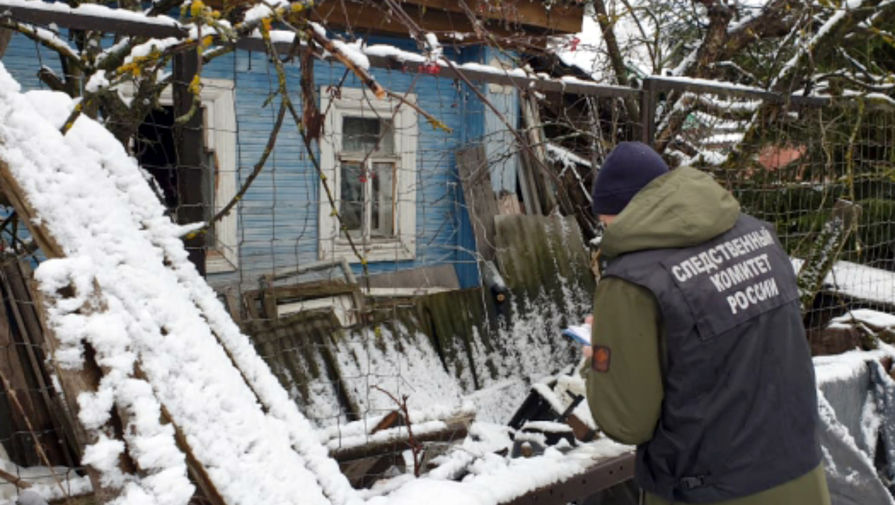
(315, 289)
(15, 195)
(514, 18)
(63, 16)
(561, 17)
(13, 368)
(455, 430)
(231, 300)
(603, 474)
(537, 155)
(24, 287)
(34, 393)
(481, 203)
(362, 18)
(198, 472)
(73, 382)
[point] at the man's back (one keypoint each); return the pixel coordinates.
(710, 302)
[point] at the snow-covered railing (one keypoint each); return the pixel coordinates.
(92, 17)
(732, 89)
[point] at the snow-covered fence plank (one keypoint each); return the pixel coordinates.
(602, 475)
(118, 280)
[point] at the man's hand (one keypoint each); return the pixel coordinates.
(587, 350)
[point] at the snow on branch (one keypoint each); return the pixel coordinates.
(45, 38)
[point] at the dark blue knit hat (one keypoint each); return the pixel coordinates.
(628, 168)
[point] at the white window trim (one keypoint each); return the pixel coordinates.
(358, 102)
(219, 124)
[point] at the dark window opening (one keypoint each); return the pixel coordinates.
(155, 151)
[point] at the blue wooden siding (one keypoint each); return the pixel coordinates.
(277, 220)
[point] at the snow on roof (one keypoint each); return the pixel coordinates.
(136, 312)
(95, 10)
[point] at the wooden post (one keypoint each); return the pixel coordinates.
(189, 145)
(481, 204)
(543, 187)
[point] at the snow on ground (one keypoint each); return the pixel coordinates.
(494, 479)
(859, 281)
(51, 483)
(872, 318)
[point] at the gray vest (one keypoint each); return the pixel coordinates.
(740, 405)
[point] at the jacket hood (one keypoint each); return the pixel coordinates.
(682, 208)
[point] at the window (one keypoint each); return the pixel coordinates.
(368, 154)
(155, 150)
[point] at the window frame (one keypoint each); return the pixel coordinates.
(355, 102)
(218, 100)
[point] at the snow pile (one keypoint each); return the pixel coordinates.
(851, 414)
(492, 479)
(164, 342)
(51, 483)
(872, 318)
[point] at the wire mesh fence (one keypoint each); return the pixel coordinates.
(353, 235)
(804, 168)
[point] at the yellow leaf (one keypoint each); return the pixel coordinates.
(195, 85)
(196, 8)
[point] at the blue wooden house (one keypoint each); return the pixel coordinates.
(387, 178)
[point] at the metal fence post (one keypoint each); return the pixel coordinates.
(648, 89)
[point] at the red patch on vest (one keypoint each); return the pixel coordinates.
(602, 356)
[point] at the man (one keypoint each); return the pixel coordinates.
(699, 354)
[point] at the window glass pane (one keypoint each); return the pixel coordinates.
(383, 208)
(360, 135)
(351, 203)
